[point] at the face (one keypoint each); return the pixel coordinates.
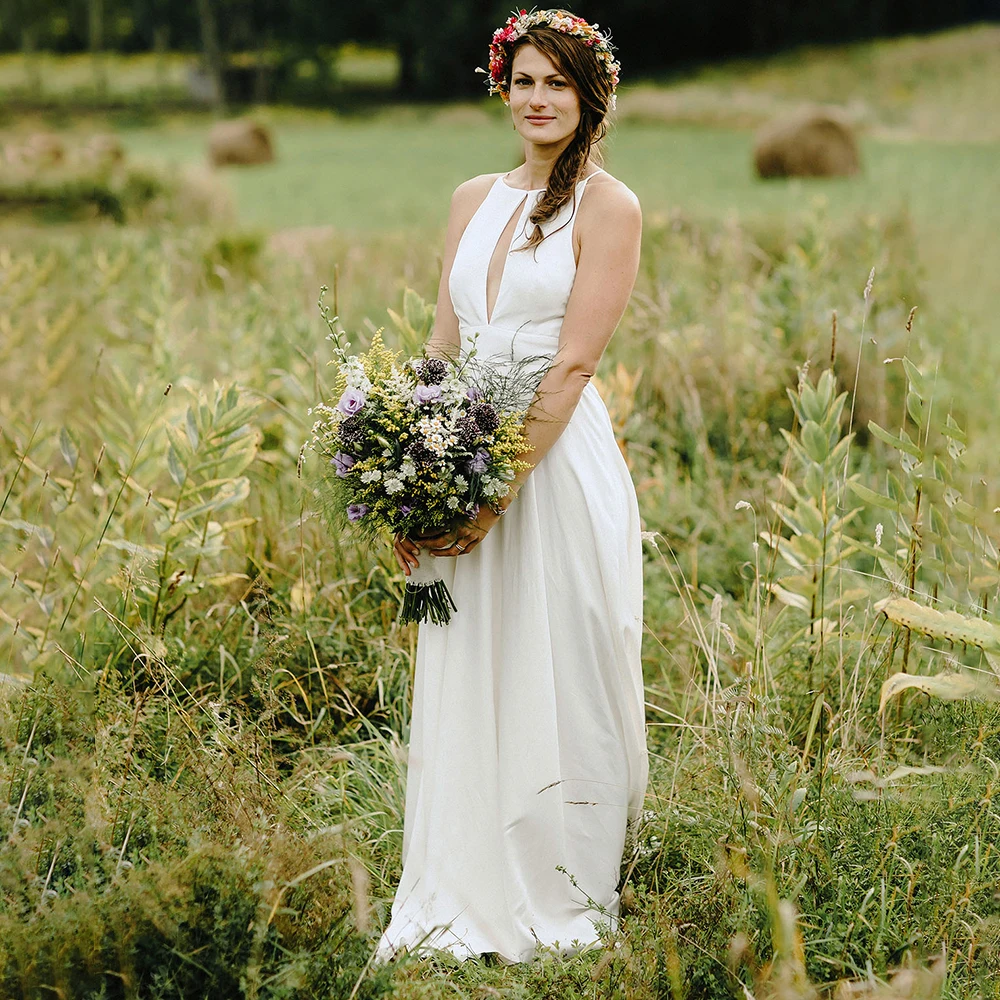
(543, 104)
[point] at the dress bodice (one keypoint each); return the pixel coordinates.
(535, 284)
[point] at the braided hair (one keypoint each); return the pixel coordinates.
(577, 62)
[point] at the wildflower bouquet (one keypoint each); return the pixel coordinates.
(412, 446)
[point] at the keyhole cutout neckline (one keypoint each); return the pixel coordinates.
(512, 226)
(503, 179)
(502, 255)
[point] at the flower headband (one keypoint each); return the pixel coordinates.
(560, 20)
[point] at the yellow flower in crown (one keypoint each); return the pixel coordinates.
(520, 22)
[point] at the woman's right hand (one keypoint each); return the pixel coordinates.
(406, 551)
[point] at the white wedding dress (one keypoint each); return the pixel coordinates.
(527, 751)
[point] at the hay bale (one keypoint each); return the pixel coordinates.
(43, 149)
(810, 144)
(104, 150)
(240, 142)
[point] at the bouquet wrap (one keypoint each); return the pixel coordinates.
(426, 597)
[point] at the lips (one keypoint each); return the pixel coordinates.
(539, 119)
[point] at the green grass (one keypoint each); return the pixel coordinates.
(395, 172)
(205, 693)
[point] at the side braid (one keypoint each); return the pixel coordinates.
(595, 89)
(562, 184)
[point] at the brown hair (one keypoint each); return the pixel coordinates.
(577, 62)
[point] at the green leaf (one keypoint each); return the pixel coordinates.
(868, 496)
(918, 381)
(816, 443)
(895, 442)
(174, 466)
(948, 625)
(915, 408)
(792, 600)
(947, 687)
(191, 426)
(233, 492)
(952, 430)
(810, 516)
(67, 446)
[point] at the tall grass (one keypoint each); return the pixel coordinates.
(205, 721)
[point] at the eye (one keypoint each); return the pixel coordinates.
(522, 80)
(559, 83)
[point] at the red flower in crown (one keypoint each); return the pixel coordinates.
(560, 20)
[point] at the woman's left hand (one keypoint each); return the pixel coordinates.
(466, 535)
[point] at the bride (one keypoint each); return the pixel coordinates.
(527, 753)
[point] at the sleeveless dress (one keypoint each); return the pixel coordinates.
(527, 751)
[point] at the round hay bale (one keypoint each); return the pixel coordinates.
(239, 142)
(811, 144)
(45, 149)
(103, 149)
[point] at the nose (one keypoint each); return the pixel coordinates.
(538, 96)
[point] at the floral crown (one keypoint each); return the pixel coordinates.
(519, 23)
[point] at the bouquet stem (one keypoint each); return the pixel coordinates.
(426, 598)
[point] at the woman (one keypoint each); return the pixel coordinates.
(527, 752)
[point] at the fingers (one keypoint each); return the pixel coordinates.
(406, 554)
(464, 542)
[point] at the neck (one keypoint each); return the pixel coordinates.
(540, 159)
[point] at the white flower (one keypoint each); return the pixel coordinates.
(437, 437)
(371, 476)
(355, 375)
(393, 485)
(461, 482)
(452, 503)
(407, 470)
(387, 453)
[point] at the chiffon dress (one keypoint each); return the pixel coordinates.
(527, 751)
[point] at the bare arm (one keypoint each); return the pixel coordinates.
(609, 234)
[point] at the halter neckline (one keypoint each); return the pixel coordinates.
(510, 187)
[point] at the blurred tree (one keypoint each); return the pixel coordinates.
(440, 43)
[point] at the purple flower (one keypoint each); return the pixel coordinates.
(405, 509)
(351, 401)
(343, 462)
(356, 511)
(480, 461)
(486, 417)
(426, 393)
(473, 393)
(472, 511)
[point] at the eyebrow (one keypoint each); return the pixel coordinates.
(551, 76)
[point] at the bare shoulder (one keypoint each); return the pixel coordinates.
(469, 194)
(609, 199)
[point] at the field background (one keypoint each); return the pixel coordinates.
(206, 694)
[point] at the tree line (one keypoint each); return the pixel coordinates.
(440, 42)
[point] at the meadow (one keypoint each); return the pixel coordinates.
(205, 690)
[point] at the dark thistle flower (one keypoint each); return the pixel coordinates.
(419, 452)
(485, 415)
(467, 431)
(433, 370)
(350, 430)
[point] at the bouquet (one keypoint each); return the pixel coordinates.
(411, 446)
